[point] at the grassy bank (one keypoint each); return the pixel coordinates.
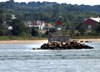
(43, 38)
(21, 38)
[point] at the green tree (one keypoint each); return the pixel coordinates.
(34, 32)
(9, 4)
(81, 28)
(97, 29)
(18, 27)
(3, 31)
(2, 17)
(55, 14)
(28, 31)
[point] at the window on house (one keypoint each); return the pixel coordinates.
(89, 26)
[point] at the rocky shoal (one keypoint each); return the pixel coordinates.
(64, 46)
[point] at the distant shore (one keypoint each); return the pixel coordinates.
(40, 41)
(84, 40)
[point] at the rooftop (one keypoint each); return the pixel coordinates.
(96, 19)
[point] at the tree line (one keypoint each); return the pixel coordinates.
(70, 16)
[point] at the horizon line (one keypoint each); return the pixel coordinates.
(50, 2)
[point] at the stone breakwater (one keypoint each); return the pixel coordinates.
(64, 46)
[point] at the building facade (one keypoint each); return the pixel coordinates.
(91, 22)
(36, 24)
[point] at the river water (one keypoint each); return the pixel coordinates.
(21, 58)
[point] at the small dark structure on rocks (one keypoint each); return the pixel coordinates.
(58, 38)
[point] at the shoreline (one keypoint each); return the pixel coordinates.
(40, 41)
(89, 40)
(22, 41)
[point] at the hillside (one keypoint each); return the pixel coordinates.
(50, 11)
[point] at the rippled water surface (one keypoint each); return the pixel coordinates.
(21, 58)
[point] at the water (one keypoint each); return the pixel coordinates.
(21, 58)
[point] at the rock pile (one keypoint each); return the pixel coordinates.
(64, 45)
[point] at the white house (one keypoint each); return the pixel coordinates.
(29, 24)
(36, 24)
(10, 27)
(13, 16)
(39, 25)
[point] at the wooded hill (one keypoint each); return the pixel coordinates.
(70, 15)
(50, 11)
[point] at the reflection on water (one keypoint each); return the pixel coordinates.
(21, 58)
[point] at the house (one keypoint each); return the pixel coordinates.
(29, 24)
(39, 25)
(10, 28)
(7, 26)
(13, 16)
(6, 23)
(48, 27)
(36, 24)
(91, 22)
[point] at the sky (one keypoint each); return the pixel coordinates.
(86, 2)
